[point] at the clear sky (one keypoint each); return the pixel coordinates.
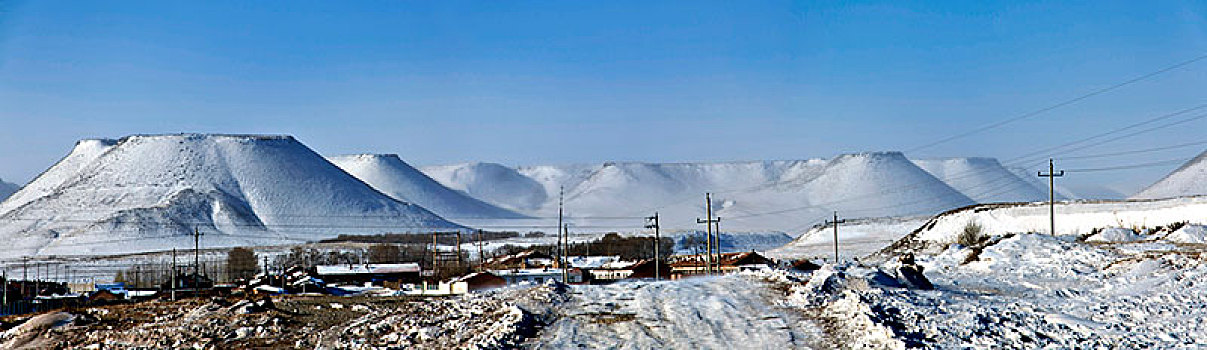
(573, 82)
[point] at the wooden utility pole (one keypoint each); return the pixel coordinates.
(481, 252)
(716, 242)
(173, 278)
(708, 238)
(566, 260)
(196, 253)
(836, 222)
(561, 252)
(652, 222)
(1052, 175)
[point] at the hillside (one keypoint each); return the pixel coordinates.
(784, 196)
(493, 183)
(144, 193)
(984, 180)
(1188, 180)
(391, 175)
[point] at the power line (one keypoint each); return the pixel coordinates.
(1061, 104)
(1132, 166)
(1106, 155)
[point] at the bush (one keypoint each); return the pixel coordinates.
(971, 235)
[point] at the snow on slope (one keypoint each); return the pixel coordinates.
(84, 152)
(1188, 180)
(1072, 218)
(146, 193)
(7, 189)
(982, 179)
(856, 238)
(785, 196)
(390, 175)
(492, 183)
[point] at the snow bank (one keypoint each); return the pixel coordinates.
(1115, 234)
(1194, 234)
(1072, 218)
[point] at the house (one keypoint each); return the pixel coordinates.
(621, 270)
(692, 265)
(359, 274)
(538, 276)
(480, 281)
(528, 259)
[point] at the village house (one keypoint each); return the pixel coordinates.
(523, 260)
(621, 270)
(360, 274)
(693, 265)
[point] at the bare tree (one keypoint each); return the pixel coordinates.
(241, 263)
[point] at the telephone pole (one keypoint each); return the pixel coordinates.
(708, 233)
(835, 222)
(196, 253)
(561, 251)
(173, 277)
(481, 252)
(1052, 175)
(565, 260)
(652, 222)
(716, 242)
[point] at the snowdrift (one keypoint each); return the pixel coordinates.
(1188, 180)
(391, 175)
(147, 193)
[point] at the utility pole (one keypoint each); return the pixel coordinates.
(708, 238)
(716, 242)
(835, 222)
(1052, 175)
(196, 253)
(24, 275)
(481, 252)
(173, 278)
(565, 260)
(561, 251)
(652, 222)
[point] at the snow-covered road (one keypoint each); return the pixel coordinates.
(730, 312)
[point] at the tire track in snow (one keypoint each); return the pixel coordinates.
(703, 313)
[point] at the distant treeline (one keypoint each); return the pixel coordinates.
(611, 244)
(422, 238)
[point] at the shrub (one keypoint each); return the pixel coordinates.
(971, 235)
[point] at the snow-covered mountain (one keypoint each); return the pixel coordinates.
(493, 183)
(983, 179)
(391, 175)
(1188, 180)
(144, 193)
(749, 196)
(7, 189)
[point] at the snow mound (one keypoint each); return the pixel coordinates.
(391, 175)
(983, 179)
(1115, 234)
(147, 193)
(1188, 180)
(493, 183)
(1195, 234)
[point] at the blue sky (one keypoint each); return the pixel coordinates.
(572, 82)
